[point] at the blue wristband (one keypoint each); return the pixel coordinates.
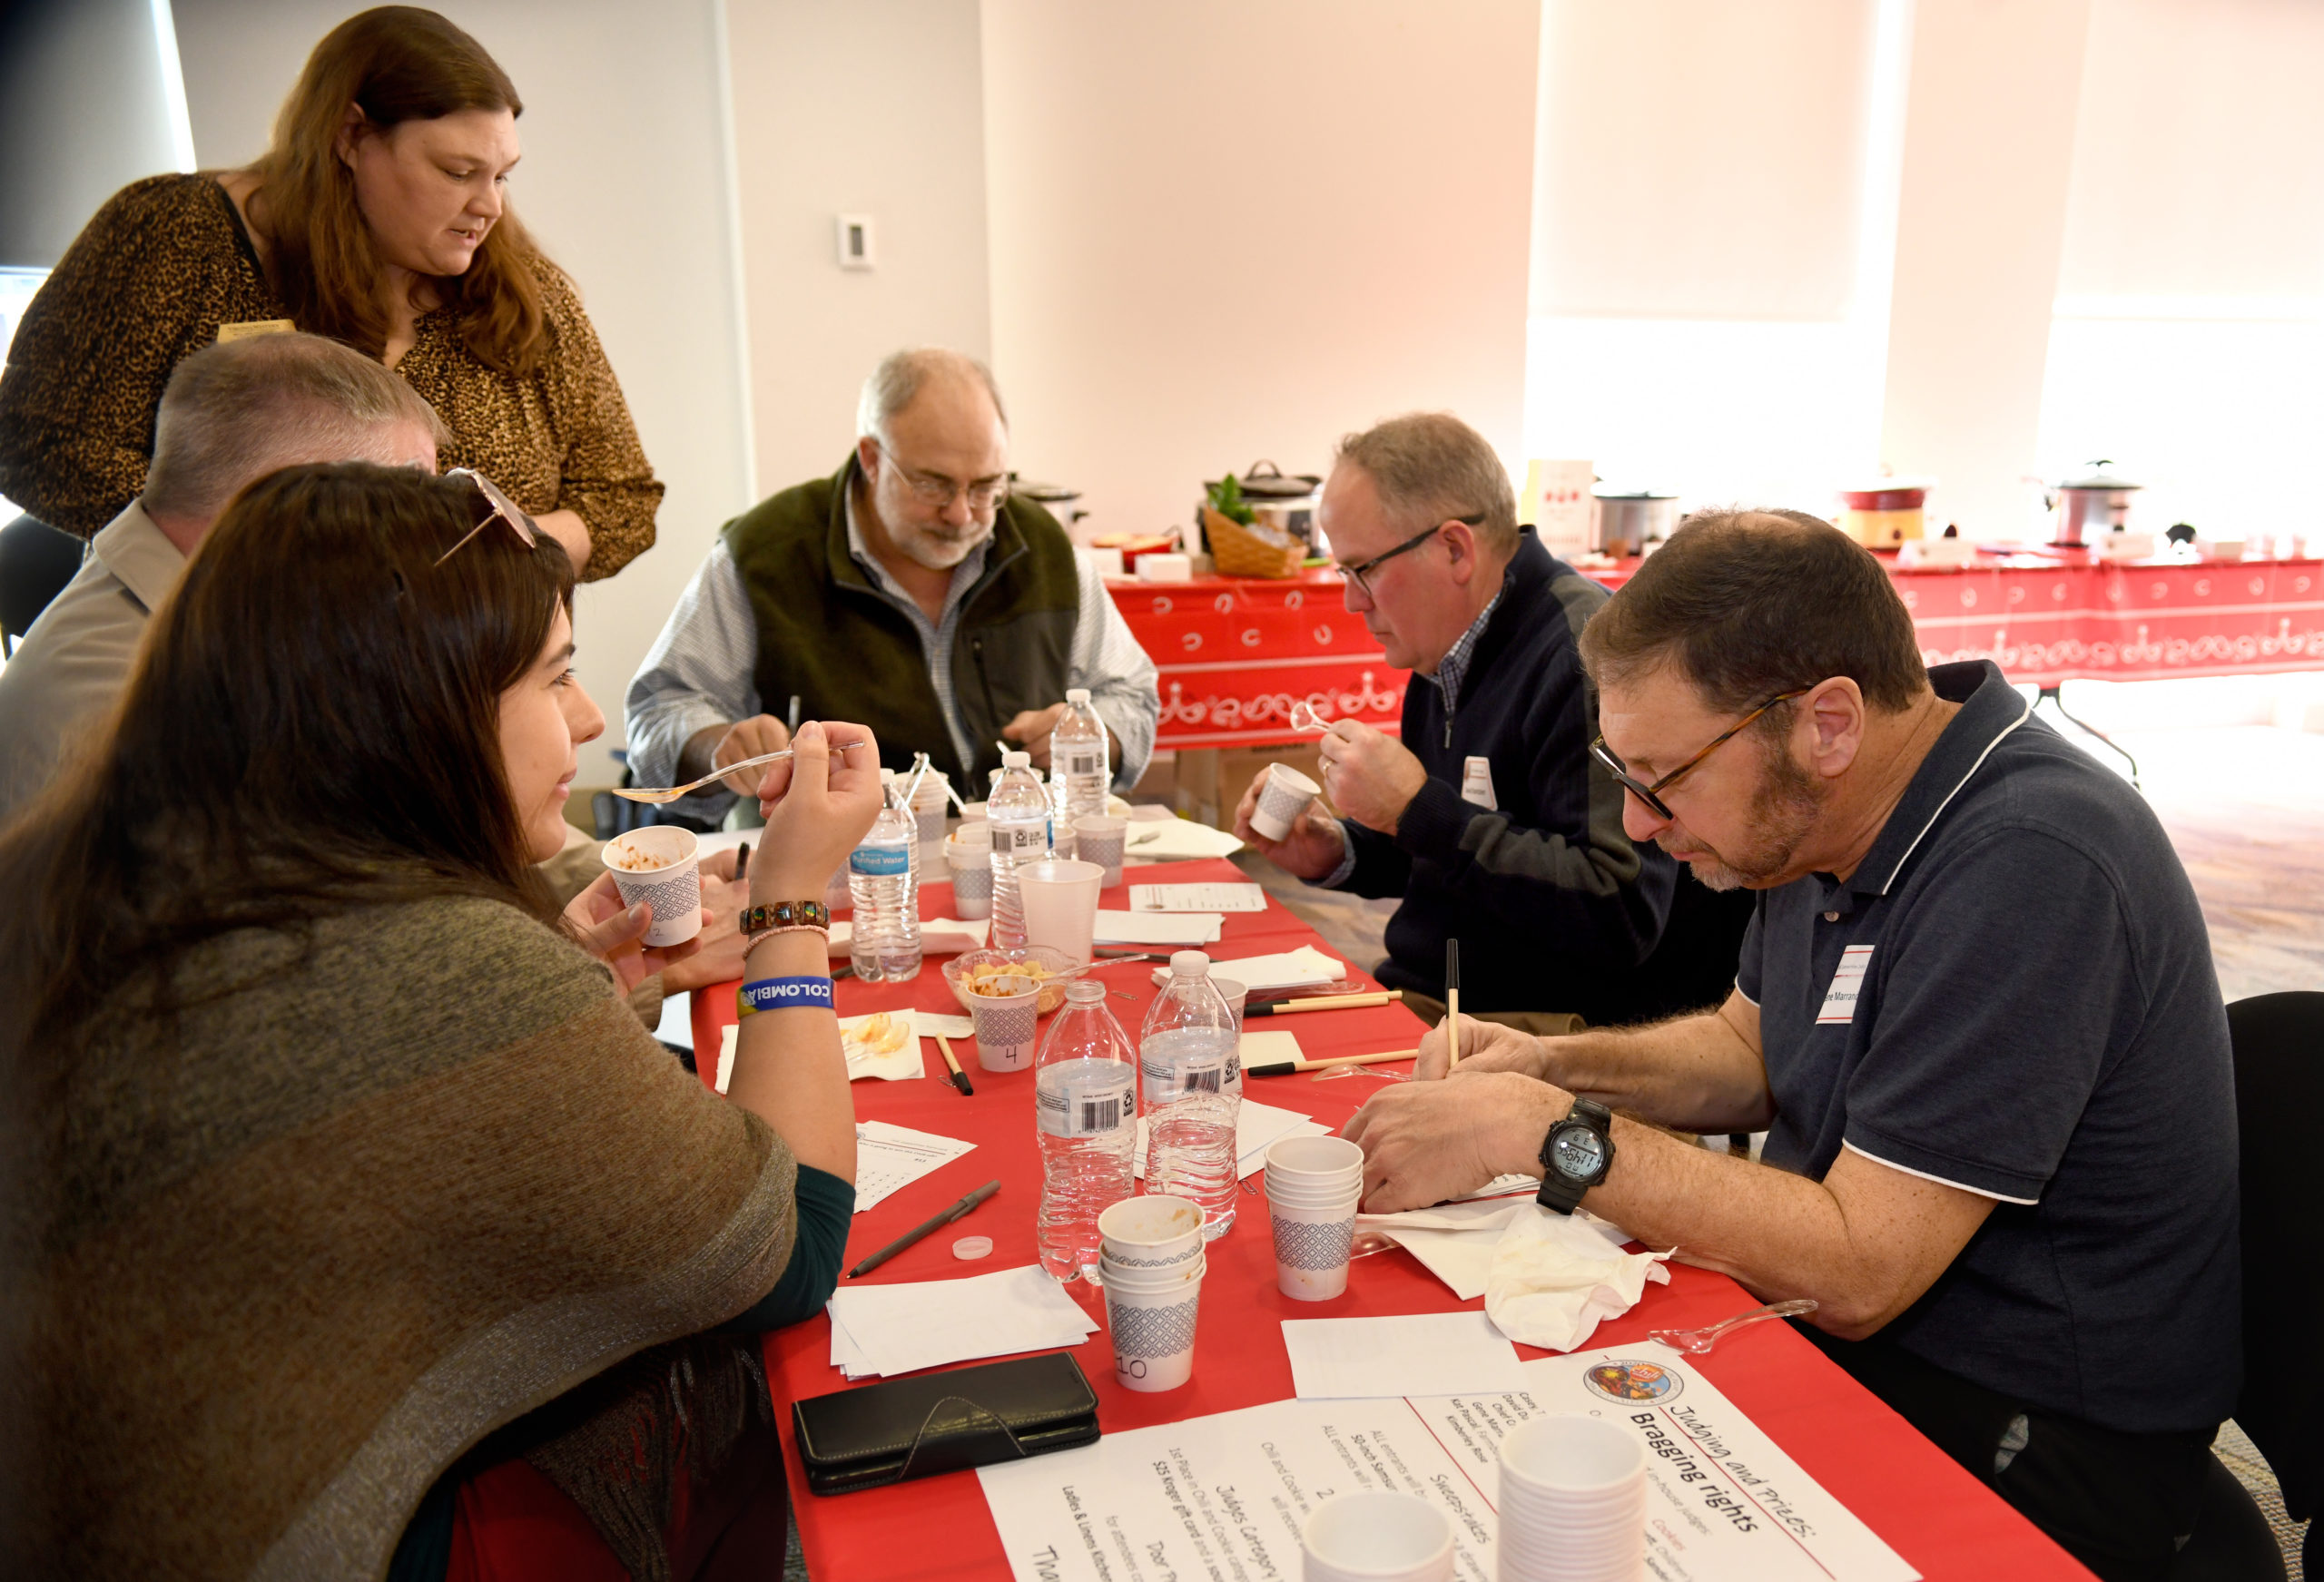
(778, 994)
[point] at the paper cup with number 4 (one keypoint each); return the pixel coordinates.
(1282, 800)
(660, 865)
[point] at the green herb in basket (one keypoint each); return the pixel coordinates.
(1226, 500)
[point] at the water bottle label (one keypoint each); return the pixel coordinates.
(1008, 842)
(1167, 1079)
(880, 861)
(1084, 1115)
(1084, 759)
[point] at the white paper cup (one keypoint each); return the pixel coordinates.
(1572, 1500)
(1376, 1537)
(1281, 802)
(968, 854)
(1152, 1277)
(1153, 1331)
(1297, 1160)
(929, 808)
(1311, 1247)
(1099, 839)
(1312, 1191)
(1151, 1229)
(1060, 901)
(1006, 1027)
(672, 886)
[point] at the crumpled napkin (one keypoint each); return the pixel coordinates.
(1555, 1277)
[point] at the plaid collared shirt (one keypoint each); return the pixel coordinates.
(1455, 663)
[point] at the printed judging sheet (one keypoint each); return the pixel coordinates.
(1225, 1496)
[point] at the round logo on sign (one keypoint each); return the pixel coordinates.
(1628, 1383)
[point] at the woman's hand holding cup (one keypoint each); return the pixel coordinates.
(818, 803)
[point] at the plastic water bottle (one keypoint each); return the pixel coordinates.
(883, 943)
(1085, 1096)
(1078, 755)
(1184, 1054)
(1018, 815)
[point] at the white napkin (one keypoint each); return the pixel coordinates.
(938, 936)
(1177, 839)
(1302, 968)
(1553, 1277)
(1453, 1241)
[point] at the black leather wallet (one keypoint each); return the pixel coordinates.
(916, 1428)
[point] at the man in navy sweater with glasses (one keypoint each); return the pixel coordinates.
(1490, 819)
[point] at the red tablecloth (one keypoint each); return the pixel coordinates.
(1235, 653)
(1943, 1521)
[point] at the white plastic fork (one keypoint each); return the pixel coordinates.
(671, 795)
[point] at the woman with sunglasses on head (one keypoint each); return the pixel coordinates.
(380, 217)
(355, 1212)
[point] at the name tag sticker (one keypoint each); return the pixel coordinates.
(249, 327)
(1476, 785)
(1847, 983)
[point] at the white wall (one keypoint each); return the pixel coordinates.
(872, 107)
(627, 183)
(1989, 139)
(1223, 230)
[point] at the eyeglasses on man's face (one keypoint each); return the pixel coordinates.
(501, 509)
(936, 491)
(1652, 794)
(1361, 575)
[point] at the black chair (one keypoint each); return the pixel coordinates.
(36, 561)
(2278, 1041)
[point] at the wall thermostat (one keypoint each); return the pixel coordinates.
(858, 248)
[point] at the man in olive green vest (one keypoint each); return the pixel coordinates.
(909, 590)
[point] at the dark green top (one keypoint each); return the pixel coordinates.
(827, 632)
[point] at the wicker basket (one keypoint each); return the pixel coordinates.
(1240, 551)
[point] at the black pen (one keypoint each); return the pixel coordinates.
(741, 862)
(921, 1233)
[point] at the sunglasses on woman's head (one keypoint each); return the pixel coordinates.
(503, 509)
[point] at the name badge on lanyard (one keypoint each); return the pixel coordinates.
(1476, 785)
(1847, 983)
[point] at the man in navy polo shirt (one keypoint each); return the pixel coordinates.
(1975, 1015)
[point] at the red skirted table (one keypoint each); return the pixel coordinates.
(1939, 1518)
(1236, 652)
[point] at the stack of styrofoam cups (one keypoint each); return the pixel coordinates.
(1374, 1536)
(1312, 1185)
(1572, 1501)
(1150, 1259)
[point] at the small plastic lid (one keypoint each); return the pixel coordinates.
(1189, 961)
(968, 1249)
(1077, 694)
(1016, 761)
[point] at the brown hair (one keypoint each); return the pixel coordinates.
(312, 725)
(237, 410)
(1752, 604)
(1427, 466)
(396, 64)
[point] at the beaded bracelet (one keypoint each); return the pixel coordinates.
(773, 994)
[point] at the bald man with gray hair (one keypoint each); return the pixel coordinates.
(231, 414)
(909, 590)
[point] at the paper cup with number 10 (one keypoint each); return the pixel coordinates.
(660, 865)
(1282, 800)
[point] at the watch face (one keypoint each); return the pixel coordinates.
(1578, 1151)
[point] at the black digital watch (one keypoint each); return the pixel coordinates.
(1576, 1155)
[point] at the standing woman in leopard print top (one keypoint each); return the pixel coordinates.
(379, 217)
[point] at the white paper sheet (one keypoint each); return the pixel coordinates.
(1177, 841)
(1225, 1495)
(1197, 897)
(938, 936)
(889, 1158)
(1419, 1353)
(1184, 930)
(1300, 968)
(887, 1330)
(1256, 1127)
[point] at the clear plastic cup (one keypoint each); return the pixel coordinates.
(1060, 901)
(660, 865)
